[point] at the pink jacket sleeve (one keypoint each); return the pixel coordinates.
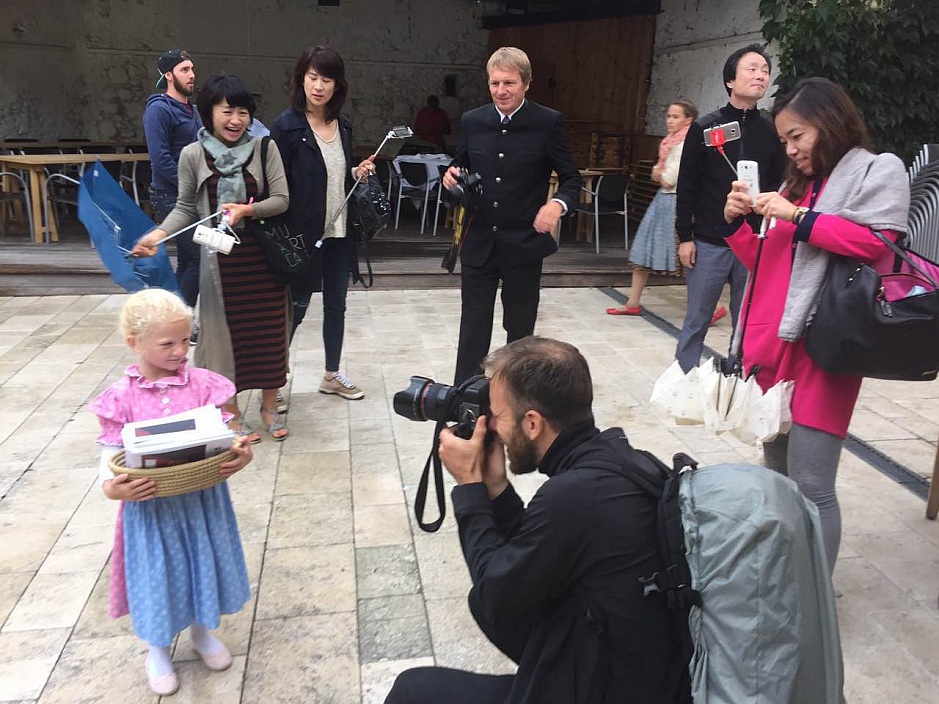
(744, 245)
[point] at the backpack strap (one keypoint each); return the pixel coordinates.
(675, 579)
(711, 119)
(659, 481)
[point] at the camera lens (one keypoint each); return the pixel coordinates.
(408, 403)
(436, 398)
(422, 400)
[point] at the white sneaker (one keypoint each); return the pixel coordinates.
(341, 386)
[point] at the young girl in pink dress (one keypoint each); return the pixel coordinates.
(177, 560)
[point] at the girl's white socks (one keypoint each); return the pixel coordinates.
(159, 662)
(203, 641)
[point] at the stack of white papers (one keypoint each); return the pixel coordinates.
(184, 437)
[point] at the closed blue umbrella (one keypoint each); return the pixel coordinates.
(115, 223)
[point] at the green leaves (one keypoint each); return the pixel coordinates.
(883, 52)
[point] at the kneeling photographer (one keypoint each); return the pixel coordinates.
(556, 585)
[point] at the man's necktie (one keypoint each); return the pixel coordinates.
(506, 119)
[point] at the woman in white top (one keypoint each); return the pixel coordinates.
(315, 141)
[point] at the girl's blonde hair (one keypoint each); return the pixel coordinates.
(152, 306)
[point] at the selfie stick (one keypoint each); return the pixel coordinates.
(189, 227)
(719, 141)
(764, 226)
(399, 132)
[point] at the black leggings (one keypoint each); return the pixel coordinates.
(439, 685)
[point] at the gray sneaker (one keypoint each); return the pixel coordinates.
(341, 386)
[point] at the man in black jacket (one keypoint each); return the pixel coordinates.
(704, 181)
(556, 585)
(514, 145)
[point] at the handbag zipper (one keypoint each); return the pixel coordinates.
(885, 306)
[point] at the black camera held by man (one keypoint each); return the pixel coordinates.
(424, 399)
(466, 191)
(463, 404)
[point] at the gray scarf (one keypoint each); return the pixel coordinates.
(229, 162)
(866, 189)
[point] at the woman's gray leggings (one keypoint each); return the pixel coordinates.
(810, 458)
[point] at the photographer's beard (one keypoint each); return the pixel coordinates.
(522, 453)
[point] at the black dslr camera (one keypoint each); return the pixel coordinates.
(462, 404)
(466, 191)
(424, 399)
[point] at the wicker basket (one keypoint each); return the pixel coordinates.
(178, 478)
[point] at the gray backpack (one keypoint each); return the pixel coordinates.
(766, 629)
(742, 556)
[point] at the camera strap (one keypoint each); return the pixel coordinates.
(420, 501)
(433, 460)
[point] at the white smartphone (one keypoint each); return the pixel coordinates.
(749, 173)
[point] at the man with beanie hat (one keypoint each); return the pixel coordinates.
(170, 122)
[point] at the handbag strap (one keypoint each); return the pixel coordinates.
(901, 253)
(265, 142)
(368, 266)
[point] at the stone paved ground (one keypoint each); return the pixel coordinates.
(347, 591)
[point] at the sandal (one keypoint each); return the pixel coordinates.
(625, 310)
(719, 313)
(275, 425)
(251, 436)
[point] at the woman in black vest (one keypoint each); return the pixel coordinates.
(315, 141)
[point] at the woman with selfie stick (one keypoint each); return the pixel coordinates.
(836, 192)
(315, 140)
(242, 310)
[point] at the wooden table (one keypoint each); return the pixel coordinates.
(71, 147)
(35, 165)
(587, 176)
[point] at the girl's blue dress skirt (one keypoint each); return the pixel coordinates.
(183, 563)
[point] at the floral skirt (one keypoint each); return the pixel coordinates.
(655, 247)
(182, 563)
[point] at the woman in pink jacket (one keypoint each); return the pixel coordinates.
(836, 192)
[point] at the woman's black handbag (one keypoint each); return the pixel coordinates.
(287, 256)
(369, 208)
(884, 326)
(369, 213)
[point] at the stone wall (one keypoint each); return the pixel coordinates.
(84, 68)
(693, 38)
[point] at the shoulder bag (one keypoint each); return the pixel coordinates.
(286, 254)
(883, 326)
(369, 212)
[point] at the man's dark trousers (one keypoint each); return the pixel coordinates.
(521, 292)
(187, 251)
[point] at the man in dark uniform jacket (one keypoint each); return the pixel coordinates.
(514, 145)
(556, 584)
